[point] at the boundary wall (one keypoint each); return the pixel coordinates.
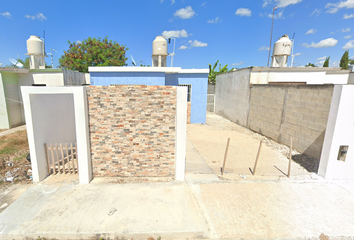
(276, 111)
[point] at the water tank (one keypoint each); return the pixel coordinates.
(283, 46)
(35, 46)
(159, 46)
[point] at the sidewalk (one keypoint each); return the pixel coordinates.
(229, 210)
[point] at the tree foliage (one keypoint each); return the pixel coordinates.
(344, 61)
(213, 72)
(93, 52)
(326, 63)
(310, 65)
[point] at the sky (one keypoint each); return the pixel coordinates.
(235, 32)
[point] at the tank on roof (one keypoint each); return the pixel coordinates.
(159, 46)
(35, 46)
(283, 46)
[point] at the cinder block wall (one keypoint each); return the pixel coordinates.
(132, 130)
(300, 112)
(232, 95)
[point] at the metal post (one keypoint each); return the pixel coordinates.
(227, 148)
(290, 156)
(259, 151)
(271, 34)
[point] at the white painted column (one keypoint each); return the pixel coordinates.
(339, 132)
(82, 135)
(181, 134)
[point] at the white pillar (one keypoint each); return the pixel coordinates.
(181, 134)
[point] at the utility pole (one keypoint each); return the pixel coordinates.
(271, 34)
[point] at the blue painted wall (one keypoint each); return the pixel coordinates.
(144, 78)
(199, 82)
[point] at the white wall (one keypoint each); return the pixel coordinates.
(339, 132)
(50, 79)
(306, 77)
(53, 121)
(87, 78)
(57, 115)
(4, 118)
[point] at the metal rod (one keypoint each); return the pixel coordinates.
(259, 151)
(271, 35)
(290, 156)
(227, 148)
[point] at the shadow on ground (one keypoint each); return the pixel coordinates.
(309, 163)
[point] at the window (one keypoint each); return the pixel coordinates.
(189, 91)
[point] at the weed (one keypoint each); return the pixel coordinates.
(21, 157)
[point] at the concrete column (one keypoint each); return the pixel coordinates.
(82, 135)
(181, 134)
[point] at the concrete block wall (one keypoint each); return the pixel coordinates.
(132, 130)
(299, 112)
(232, 95)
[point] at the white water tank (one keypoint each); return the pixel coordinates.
(159, 46)
(35, 46)
(159, 52)
(281, 51)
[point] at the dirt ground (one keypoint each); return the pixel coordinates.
(210, 140)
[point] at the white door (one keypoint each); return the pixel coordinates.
(14, 105)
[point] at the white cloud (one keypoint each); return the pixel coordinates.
(78, 42)
(243, 12)
(329, 42)
(39, 16)
(276, 16)
(280, 3)
(266, 3)
(216, 20)
(236, 64)
(315, 12)
(285, 3)
(172, 2)
(349, 45)
(322, 58)
(6, 14)
(185, 13)
(203, 4)
(345, 29)
(349, 36)
(263, 48)
(196, 43)
(347, 16)
(175, 34)
(311, 31)
(183, 47)
(334, 7)
(320, 63)
(297, 54)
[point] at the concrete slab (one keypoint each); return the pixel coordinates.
(13, 130)
(280, 210)
(71, 211)
(197, 170)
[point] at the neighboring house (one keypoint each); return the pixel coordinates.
(300, 75)
(11, 79)
(196, 81)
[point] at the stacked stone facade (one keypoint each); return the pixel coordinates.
(132, 130)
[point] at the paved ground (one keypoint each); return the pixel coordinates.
(12, 130)
(204, 206)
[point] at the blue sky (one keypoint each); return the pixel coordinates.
(235, 32)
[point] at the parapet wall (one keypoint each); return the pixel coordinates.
(132, 130)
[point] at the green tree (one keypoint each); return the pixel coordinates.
(351, 61)
(93, 52)
(310, 65)
(326, 63)
(344, 61)
(213, 72)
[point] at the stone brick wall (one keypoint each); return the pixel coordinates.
(299, 111)
(188, 112)
(132, 130)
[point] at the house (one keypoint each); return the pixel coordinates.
(11, 79)
(196, 81)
